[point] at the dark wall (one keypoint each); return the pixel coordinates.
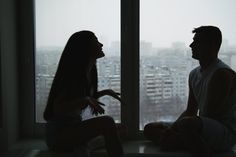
(0, 88)
(9, 73)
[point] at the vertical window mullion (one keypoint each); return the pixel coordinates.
(26, 68)
(130, 65)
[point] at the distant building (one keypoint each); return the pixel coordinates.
(43, 85)
(163, 79)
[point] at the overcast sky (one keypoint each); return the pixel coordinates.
(162, 21)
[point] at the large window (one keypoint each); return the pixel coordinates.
(155, 54)
(55, 22)
(165, 56)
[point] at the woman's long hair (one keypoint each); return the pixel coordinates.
(71, 69)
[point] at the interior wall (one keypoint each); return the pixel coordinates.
(0, 88)
(26, 68)
(1, 106)
(9, 74)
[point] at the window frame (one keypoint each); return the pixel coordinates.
(129, 69)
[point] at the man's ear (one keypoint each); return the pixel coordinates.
(212, 48)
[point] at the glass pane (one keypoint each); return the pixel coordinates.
(166, 32)
(56, 21)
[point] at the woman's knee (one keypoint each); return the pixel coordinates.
(107, 121)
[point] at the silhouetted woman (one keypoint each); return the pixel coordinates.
(73, 89)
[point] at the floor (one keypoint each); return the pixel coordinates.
(37, 148)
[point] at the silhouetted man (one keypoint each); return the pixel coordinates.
(209, 122)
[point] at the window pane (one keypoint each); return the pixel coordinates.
(165, 56)
(56, 21)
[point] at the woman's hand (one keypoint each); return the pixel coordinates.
(111, 93)
(95, 106)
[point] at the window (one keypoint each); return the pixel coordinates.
(152, 54)
(165, 57)
(56, 21)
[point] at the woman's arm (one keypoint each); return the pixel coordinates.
(105, 92)
(109, 92)
(62, 106)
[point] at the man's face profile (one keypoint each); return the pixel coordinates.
(199, 46)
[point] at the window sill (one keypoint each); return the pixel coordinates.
(140, 148)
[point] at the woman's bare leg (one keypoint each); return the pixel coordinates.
(92, 128)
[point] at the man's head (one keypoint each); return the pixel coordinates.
(206, 42)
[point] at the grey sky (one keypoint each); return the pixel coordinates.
(162, 21)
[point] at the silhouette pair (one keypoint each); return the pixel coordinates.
(207, 125)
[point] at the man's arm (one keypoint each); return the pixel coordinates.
(218, 92)
(192, 107)
(169, 135)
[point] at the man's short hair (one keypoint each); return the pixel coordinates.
(211, 34)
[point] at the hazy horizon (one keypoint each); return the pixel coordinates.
(162, 22)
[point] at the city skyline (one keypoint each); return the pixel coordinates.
(163, 81)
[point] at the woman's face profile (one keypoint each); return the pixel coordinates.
(96, 49)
